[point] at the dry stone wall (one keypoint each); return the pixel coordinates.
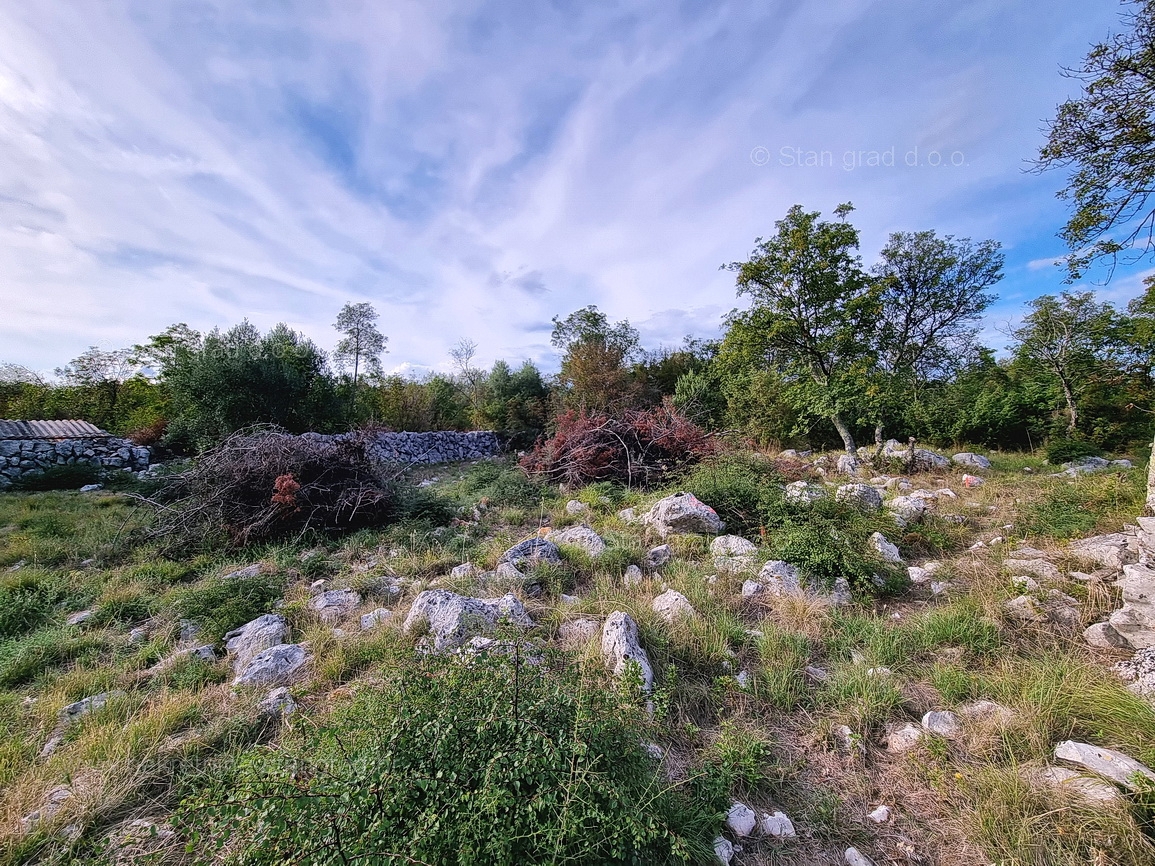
(446, 446)
(28, 458)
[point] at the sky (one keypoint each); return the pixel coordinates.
(473, 169)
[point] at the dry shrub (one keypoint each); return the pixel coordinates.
(264, 484)
(149, 434)
(641, 447)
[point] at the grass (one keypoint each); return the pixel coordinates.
(769, 743)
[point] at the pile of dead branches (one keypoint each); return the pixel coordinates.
(639, 448)
(263, 484)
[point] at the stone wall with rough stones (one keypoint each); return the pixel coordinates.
(20, 458)
(448, 446)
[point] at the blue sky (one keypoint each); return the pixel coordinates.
(472, 169)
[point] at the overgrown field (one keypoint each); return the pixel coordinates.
(534, 752)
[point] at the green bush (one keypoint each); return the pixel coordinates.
(418, 505)
(831, 541)
(501, 484)
(27, 601)
(1064, 450)
(742, 488)
(457, 763)
(219, 605)
(23, 660)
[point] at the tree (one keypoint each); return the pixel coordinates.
(101, 372)
(160, 350)
(1107, 136)
(933, 291)
(812, 314)
(594, 357)
(1069, 338)
(363, 344)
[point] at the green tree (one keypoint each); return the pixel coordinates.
(594, 358)
(1071, 339)
(514, 403)
(362, 345)
(1107, 138)
(103, 374)
(812, 316)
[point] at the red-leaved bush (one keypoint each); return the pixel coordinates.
(639, 448)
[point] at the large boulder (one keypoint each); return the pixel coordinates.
(531, 551)
(256, 636)
(1109, 551)
(336, 604)
(921, 460)
(622, 648)
(1134, 622)
(453, 619)
(683, 513)
(581, 536)
(732, 554)
(859, 495)
(671, 605)
(276, 666)
(971, 460)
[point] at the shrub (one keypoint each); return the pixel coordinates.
(454, 763)
(1066, 449)
(827, 545)
(264, 484)
(27, 601)
(641, 447)
(501, 484)
(742, 488)
(221, 604)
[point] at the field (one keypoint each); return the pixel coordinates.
(533, 751)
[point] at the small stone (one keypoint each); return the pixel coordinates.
(672, 605)
(628, 515)
(1108, 763)
(917, 574)
(854, 857)
(741, 820)
(622, 648)
(576, 632)
(580, 536)
(723, 850)
(465, 570)
(987, 711)
(938, 587)
(80, 617)
(632, 576)
(683, 513)
(278, 702)
(972, 481)
(776, 825)
(903, 739)
(941, 722)
(375, 618)
(249, 571)
(880, 815)
(1025, 608)
(659, 556)
(889, 552)
(576, 507)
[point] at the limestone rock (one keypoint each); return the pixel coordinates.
(971, 460)
(628, 515)
(658, 556)
(1039, 568)
(907, 509)
(1069, 781)
(375, 618)
(776, 825)
(581, 536)
(903, 739)
(803, 493)
(335, 604)
(854, 857)
(453, 619)
(941, 722)
(465, 570)
(80, 617)
(1108, 551)
(621, 647)
(1085, 465)
(574, 633)
(921, 460)
(860, 495)
(1104, 636)
(278, 702)
(1139, 672)
(576, 507)
(732, 554)
(723, 850)
(1108, 763)
(672, 605)
(885, 549)
(632, 576)
(741, 820)
(880, 815)
(683, 513)
(256, 636)
(1135, 621)
(276, 666)
(984, 711)
(531, 551)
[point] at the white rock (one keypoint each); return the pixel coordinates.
(880, 815)
(672, 605)
(1039, 568)
(732, 554)
(970, 481)
(903, 739)
(907, 509)
(942, 722)
(938, 587)
(575, 632)
(632, 576)
(1108, 551)
(683, 513)
(723, 850)
(80, 617)
(336, 604)
(854, 857)
(1108, 763)
(860, 495)
(803, 493)
(658, 556)
(743, 679)
(1104, 636)
(276, 666)
(885, 549)
(453, 619)
(987, 711)
(1025, 608)
(278, 702)
(776, 825)
(621, 647)
(1093, 790)
(741, 820)
(466, 569)
(581, 536)
(576, 507)
(628, 515)
(375, 618)
(254, 637)
(971, 460)
(917, 574)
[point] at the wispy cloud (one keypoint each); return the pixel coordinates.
(474, 168)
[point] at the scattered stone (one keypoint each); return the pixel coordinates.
(903, 739)
(658, 556)
(1104, 636)
(1025, 584)
(276, 666)
(683, 513)
(907, 509)
(987, 711)
(53, 803)
(921, 460)
(138, 635)
(917, 574)
(568, 600)
(1040, 568)
(939, 587)
(776, 825)
(654, 751)
(1085, 465)
(854, 857)
(942, 722)
(1135, 620)
(1073, 782)
(622, 648)
(574, 633)
(336, 604)
(860, 495)
(672, 605)
(509, 571)
(632, 576)
(880, 815)
(847, 465)
(741, 820)
(318, 585)
(1025, 608)
(848, 740)
(1138, 671)
(628, 515)
(189, 631)
(278, 702)
(723, 850)
(72, 713)
(970, 481)
(971, 460)
(803, 493)
(136, 840)
(91, 488)
(80, 617)
(581, 536)
(777, 578)
(254, 637)
(249, 571)
(742, 678)
(733, 554)
(885, 549)
(1108, 551)
(375, 618)
(1108, 763)
(819, 675)
(576, 507)
(531, 551)
(465, 570)
(453, 619)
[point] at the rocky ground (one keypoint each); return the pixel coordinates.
(981, 697)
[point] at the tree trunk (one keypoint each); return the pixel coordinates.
(1151, 483)
(1072, 412)
(847, 441)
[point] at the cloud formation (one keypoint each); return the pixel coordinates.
(473, 169)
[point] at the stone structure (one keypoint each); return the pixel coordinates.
(29, 448)
(444, 446)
